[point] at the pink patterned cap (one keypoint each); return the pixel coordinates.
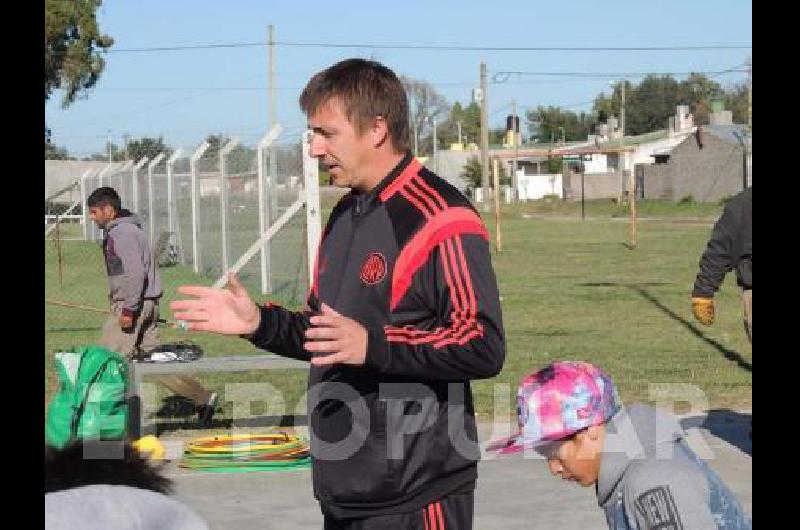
(558, 401)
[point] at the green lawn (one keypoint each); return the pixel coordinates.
(570, 289)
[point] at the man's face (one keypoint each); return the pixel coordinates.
(102, 215)
(336, 142)
(577, 458)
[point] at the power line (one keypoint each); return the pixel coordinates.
(502, 77)
(435, 84)
(429, 47)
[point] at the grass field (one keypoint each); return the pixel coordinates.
(570, 289)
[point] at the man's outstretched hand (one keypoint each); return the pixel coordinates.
(229, 311)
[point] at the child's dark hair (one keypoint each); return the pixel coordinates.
(103, 196)
(86, 462)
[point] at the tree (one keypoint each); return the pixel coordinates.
(470, 119)
(649, 105)
(737, 101)
(52, 152)
(425, 103)
(472, 171)
(146, 146)
(547, 123)
(72, 59)
(698, 91)
(111, 149)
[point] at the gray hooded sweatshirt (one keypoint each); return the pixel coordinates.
(107, 507)
(650, 478)
(132, 273)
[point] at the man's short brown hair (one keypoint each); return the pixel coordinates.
(366, 89)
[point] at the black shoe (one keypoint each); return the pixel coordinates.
(206, 412)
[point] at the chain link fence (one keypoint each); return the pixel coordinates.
(202, 208)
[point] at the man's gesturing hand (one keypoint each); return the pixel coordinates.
(229, 311)
(339, 339)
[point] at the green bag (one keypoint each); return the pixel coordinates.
(90, 402)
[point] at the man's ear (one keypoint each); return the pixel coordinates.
(379, 131)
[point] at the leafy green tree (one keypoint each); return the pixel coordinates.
(72, 46)
(547, 123)
(737, 101)
(147, 146)
(472, 171)
(554, 164)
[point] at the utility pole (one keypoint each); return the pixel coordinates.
(750, 94)
(108, 145)
(621, 155)
(514, 134)
(622, 115)
(484, 138)
(435, 148)
(416, 137)
(459, 132)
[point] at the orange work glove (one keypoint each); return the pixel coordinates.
(703, 310)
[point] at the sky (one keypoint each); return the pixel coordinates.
(184, 95)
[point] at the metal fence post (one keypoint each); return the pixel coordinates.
(173, 225)
(264, 210)
(223, 197)
(311, 190)
(123, 185)
(84, 208)
(102, 174)
(150, 219)
(195, 211)
(135, 180)
(171, 190)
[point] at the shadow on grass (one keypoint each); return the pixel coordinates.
(190, 424)
(729, 425)
(638, 287)
(71, 330)
(178, 413)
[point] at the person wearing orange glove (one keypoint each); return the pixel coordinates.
(729, 248)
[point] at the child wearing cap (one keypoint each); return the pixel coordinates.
(646, 475)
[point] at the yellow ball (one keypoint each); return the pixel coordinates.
(150, 447)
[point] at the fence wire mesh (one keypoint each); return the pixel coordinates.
(192, 243)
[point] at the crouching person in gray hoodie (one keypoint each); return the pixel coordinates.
(646, 475)
(134, 291)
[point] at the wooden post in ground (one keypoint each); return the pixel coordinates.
(632, 198)
(58, 253)
(496, 178)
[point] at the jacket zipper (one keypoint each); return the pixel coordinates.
(356, 219)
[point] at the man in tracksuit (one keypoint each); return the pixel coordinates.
(646, 476)
(134, 291)
(729, 248)
(404, 311)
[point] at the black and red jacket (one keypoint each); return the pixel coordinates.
(410, 261)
